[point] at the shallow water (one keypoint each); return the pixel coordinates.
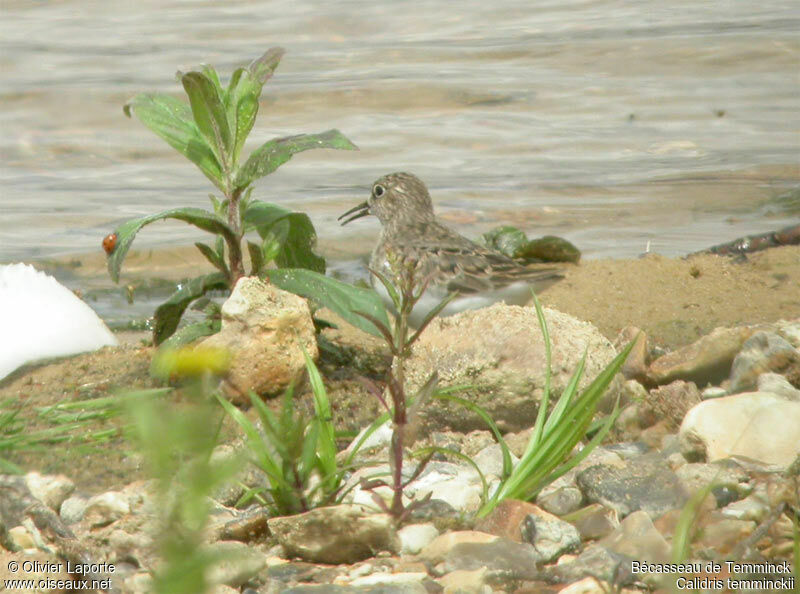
(610, 123)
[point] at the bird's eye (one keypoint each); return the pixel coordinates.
(378, 190)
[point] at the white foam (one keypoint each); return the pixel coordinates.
(41, 318)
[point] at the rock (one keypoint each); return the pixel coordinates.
(713, 392)
(636, 537)
(563, 496)
(646, 483)
(790, 330)
(50, 489)
(521, 521)
(595, 561)
(250, 525)
(635, 366)
(465, 581)
(587, 585)
(265, 330)
(105, 508)
(444, 544)
(336, 534)
(73, 508)
(560, 497)
(673, 401)
(757, 425)
(415, 537)
(778, 385)
(707, 360)
(722, 535)
(237, 563)
(454, 484)
(594, 521)
(764, 352)
(21, 538)
(729, 477)
(504, 560)
(490, 461)
(401, 583)
(498, 351)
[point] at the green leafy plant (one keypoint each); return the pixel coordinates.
(405, 291)
(177, 447)
(211, 131)
(550, 452)
(297, 454)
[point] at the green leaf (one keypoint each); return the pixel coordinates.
(293, 230)
(274, 153)
(169, 313)
(209, 114)
(191, 333)
(212, 257)
(171, 119)
(127, 231)
(244, 90)
(342, 298)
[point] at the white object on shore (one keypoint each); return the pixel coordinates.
(41, 318)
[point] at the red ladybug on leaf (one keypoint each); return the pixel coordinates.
(109, 243)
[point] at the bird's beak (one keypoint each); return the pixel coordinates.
(357, 212)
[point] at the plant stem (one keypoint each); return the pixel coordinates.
(235, 247)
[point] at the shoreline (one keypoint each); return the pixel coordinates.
(675, 300)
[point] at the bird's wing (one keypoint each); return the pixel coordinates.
(452, 260)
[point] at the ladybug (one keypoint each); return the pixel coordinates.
(109, 243)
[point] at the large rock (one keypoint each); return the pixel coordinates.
(756, 425)
(764, 352)
(499, 352)
(336, 534)
(707, 360)
(265, 330)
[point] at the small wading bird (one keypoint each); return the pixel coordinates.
(448, 261)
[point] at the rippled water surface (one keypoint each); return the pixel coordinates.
(609, 123)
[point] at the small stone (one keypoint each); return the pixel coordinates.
(237, 563)
(464, 581)
(636, 537)
(106, 508)
(764, 352)
(775, 383)
(707, 360)
(410, 583)
(490, 461)
(696, 476)
(635, 366)
(673, 401)
(50, 489)
(722, 535)
(646, 483)
(525, 522)
(505, 560)
(336, 534)
(587, 585)
(442, 545)
(756, 425)
(594, 521)
(415, 537)
(713, 392)
(73, 508)
(20, 536)
(595, 561)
